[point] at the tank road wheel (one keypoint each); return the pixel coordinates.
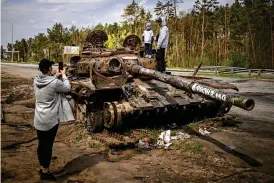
(95, 122)
(109, 116)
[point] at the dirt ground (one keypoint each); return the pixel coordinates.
(239, 150)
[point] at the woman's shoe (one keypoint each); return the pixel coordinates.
(47, 176)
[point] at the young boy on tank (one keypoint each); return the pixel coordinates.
(148, 40)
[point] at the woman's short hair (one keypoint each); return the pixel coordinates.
(45, 65)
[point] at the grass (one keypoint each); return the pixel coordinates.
(188, 145)
(78, 138)
(194, 124)
(152, 133)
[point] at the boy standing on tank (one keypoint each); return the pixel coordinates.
(148, 40)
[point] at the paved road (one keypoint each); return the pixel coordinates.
(261, 91)
(24, 70)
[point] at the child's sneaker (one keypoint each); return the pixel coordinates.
(149, 56)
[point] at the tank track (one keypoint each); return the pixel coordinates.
(115, 140)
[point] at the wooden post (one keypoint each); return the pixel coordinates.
(259, 72)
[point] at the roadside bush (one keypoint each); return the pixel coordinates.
(239, 60)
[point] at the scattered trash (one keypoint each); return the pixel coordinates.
(142, 144)
(167, 145)
(165, 138)
(180, 135)
(230, 147)
(146, 139)
(204, 131)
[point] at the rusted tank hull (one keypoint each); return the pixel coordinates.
(118, 87)
(144, 101)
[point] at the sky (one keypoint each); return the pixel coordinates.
(30, 17)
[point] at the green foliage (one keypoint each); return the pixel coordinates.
(115, 40)
(237, 35)
(239, 60)
(78, 138)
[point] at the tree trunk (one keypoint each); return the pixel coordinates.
(225, 56)
(178, 57)
(203, 34)
(272, 40)
(252, 44)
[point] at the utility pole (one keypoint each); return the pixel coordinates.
(12, 42)
(12, 47)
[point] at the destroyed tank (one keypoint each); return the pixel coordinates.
(111, 88)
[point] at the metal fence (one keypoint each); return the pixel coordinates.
(217, 70)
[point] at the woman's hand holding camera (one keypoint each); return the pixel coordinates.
(61, 72)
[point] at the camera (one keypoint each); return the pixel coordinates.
(60, 66)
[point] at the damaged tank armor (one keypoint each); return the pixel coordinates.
(113, 87)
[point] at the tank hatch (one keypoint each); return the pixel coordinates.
(132, 41)
(97, 38)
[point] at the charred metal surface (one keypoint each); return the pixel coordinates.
(115, 88)
(197, 69)
(192, 86)
(97, 38)
(132, 41)
(218, 85)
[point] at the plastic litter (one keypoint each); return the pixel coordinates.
(204, 131)
(143, 144)
(167, 145)
(182, 135)
(165, 138)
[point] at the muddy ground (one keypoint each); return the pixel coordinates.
(239, 150)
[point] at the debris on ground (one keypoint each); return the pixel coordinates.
(143, 145)
(165, 138)
(230, 147)
(181, 135)
(204, 131)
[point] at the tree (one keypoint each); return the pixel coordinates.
(159, 9)
(236, 35)
(169, 10)
(130, 15)
(3, 52)
(204, 9)
(22, 47)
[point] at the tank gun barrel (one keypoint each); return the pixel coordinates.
(195, 87)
